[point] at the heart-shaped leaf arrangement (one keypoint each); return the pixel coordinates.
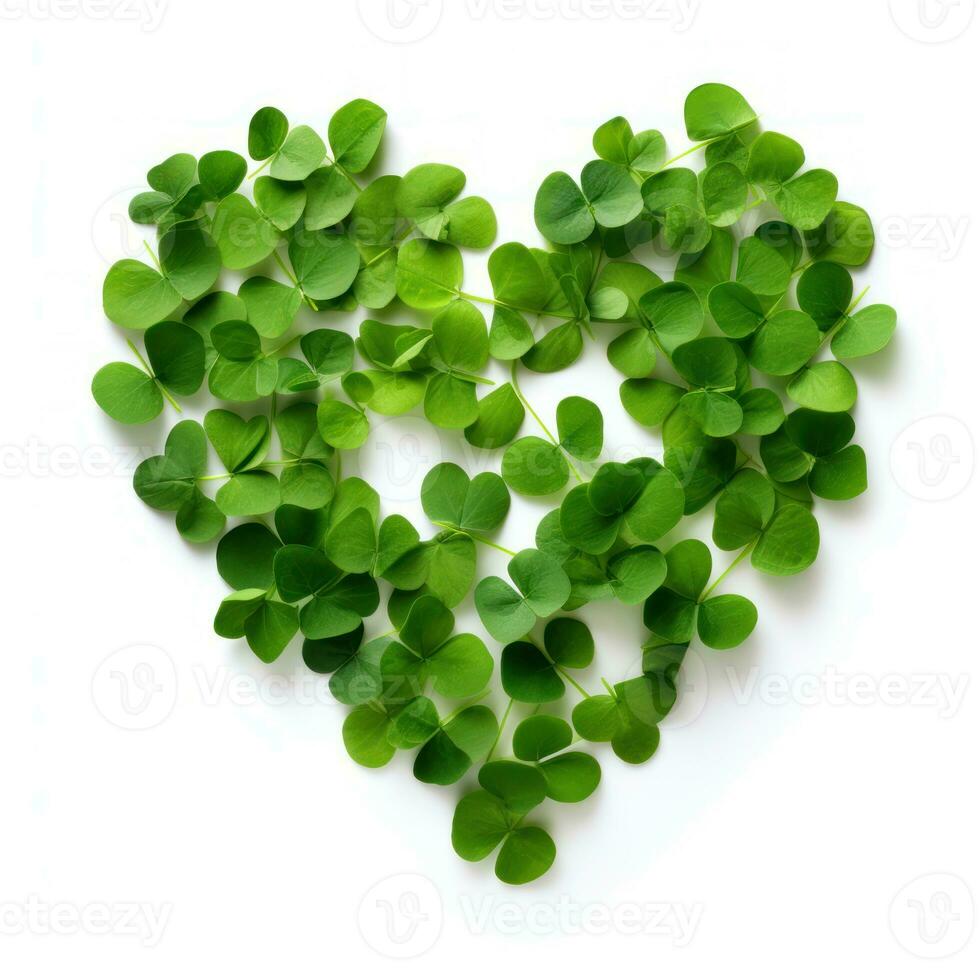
(748, 389)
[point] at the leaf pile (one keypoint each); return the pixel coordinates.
(741, 359)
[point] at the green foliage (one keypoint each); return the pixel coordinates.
(737, 361)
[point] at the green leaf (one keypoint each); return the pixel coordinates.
(429, 274)
(674, 312)
(534, 467)
(449, 496)
(613, 195)
(325, 264)
(846, 236)
(635, 574)
(612, 139)
(840, 476)
(561, 211)
(136, 296)
(245, 237)
(650, 401)
(866, 332)
(725, 192)
(569, 643)
(784, 343)
(541, 736)
(528, 676)
(300, 153)
(341, 425)
(271, 306)
(762, 269)
(572, 777)
(826, 387)
(736, 309)
(527, 854)
(543, 589)
(726, 621)
(127, 394)
(355, 133)
(365, 736)
(281, 202)
(245, 557)
(825, 292)
(459, 334)
(266, 133)
(501, 415)
(580, 428)
(790, 543)
(743, 511)
(715, 110)
(221, 173)
(450, 401)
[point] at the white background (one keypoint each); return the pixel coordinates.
(829, 830)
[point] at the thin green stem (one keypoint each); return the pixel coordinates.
(537, 418)
(286, 270)
(446, 526)
(510, 306)
(283, 346)
(731, 568)
(687, 153)
(466, 704)
(571, 680)
(609, 688)
(500, 730)
(142, 360)
(475, 378)
(170, 398)
(259, 169)
(146, 367)
(289, 275)
(215, 476)
(153, 255)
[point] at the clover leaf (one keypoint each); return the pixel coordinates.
(486, 819)
(641, 499)
(542, 588)
(534, 676)
(684, 605)
(175, 361)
